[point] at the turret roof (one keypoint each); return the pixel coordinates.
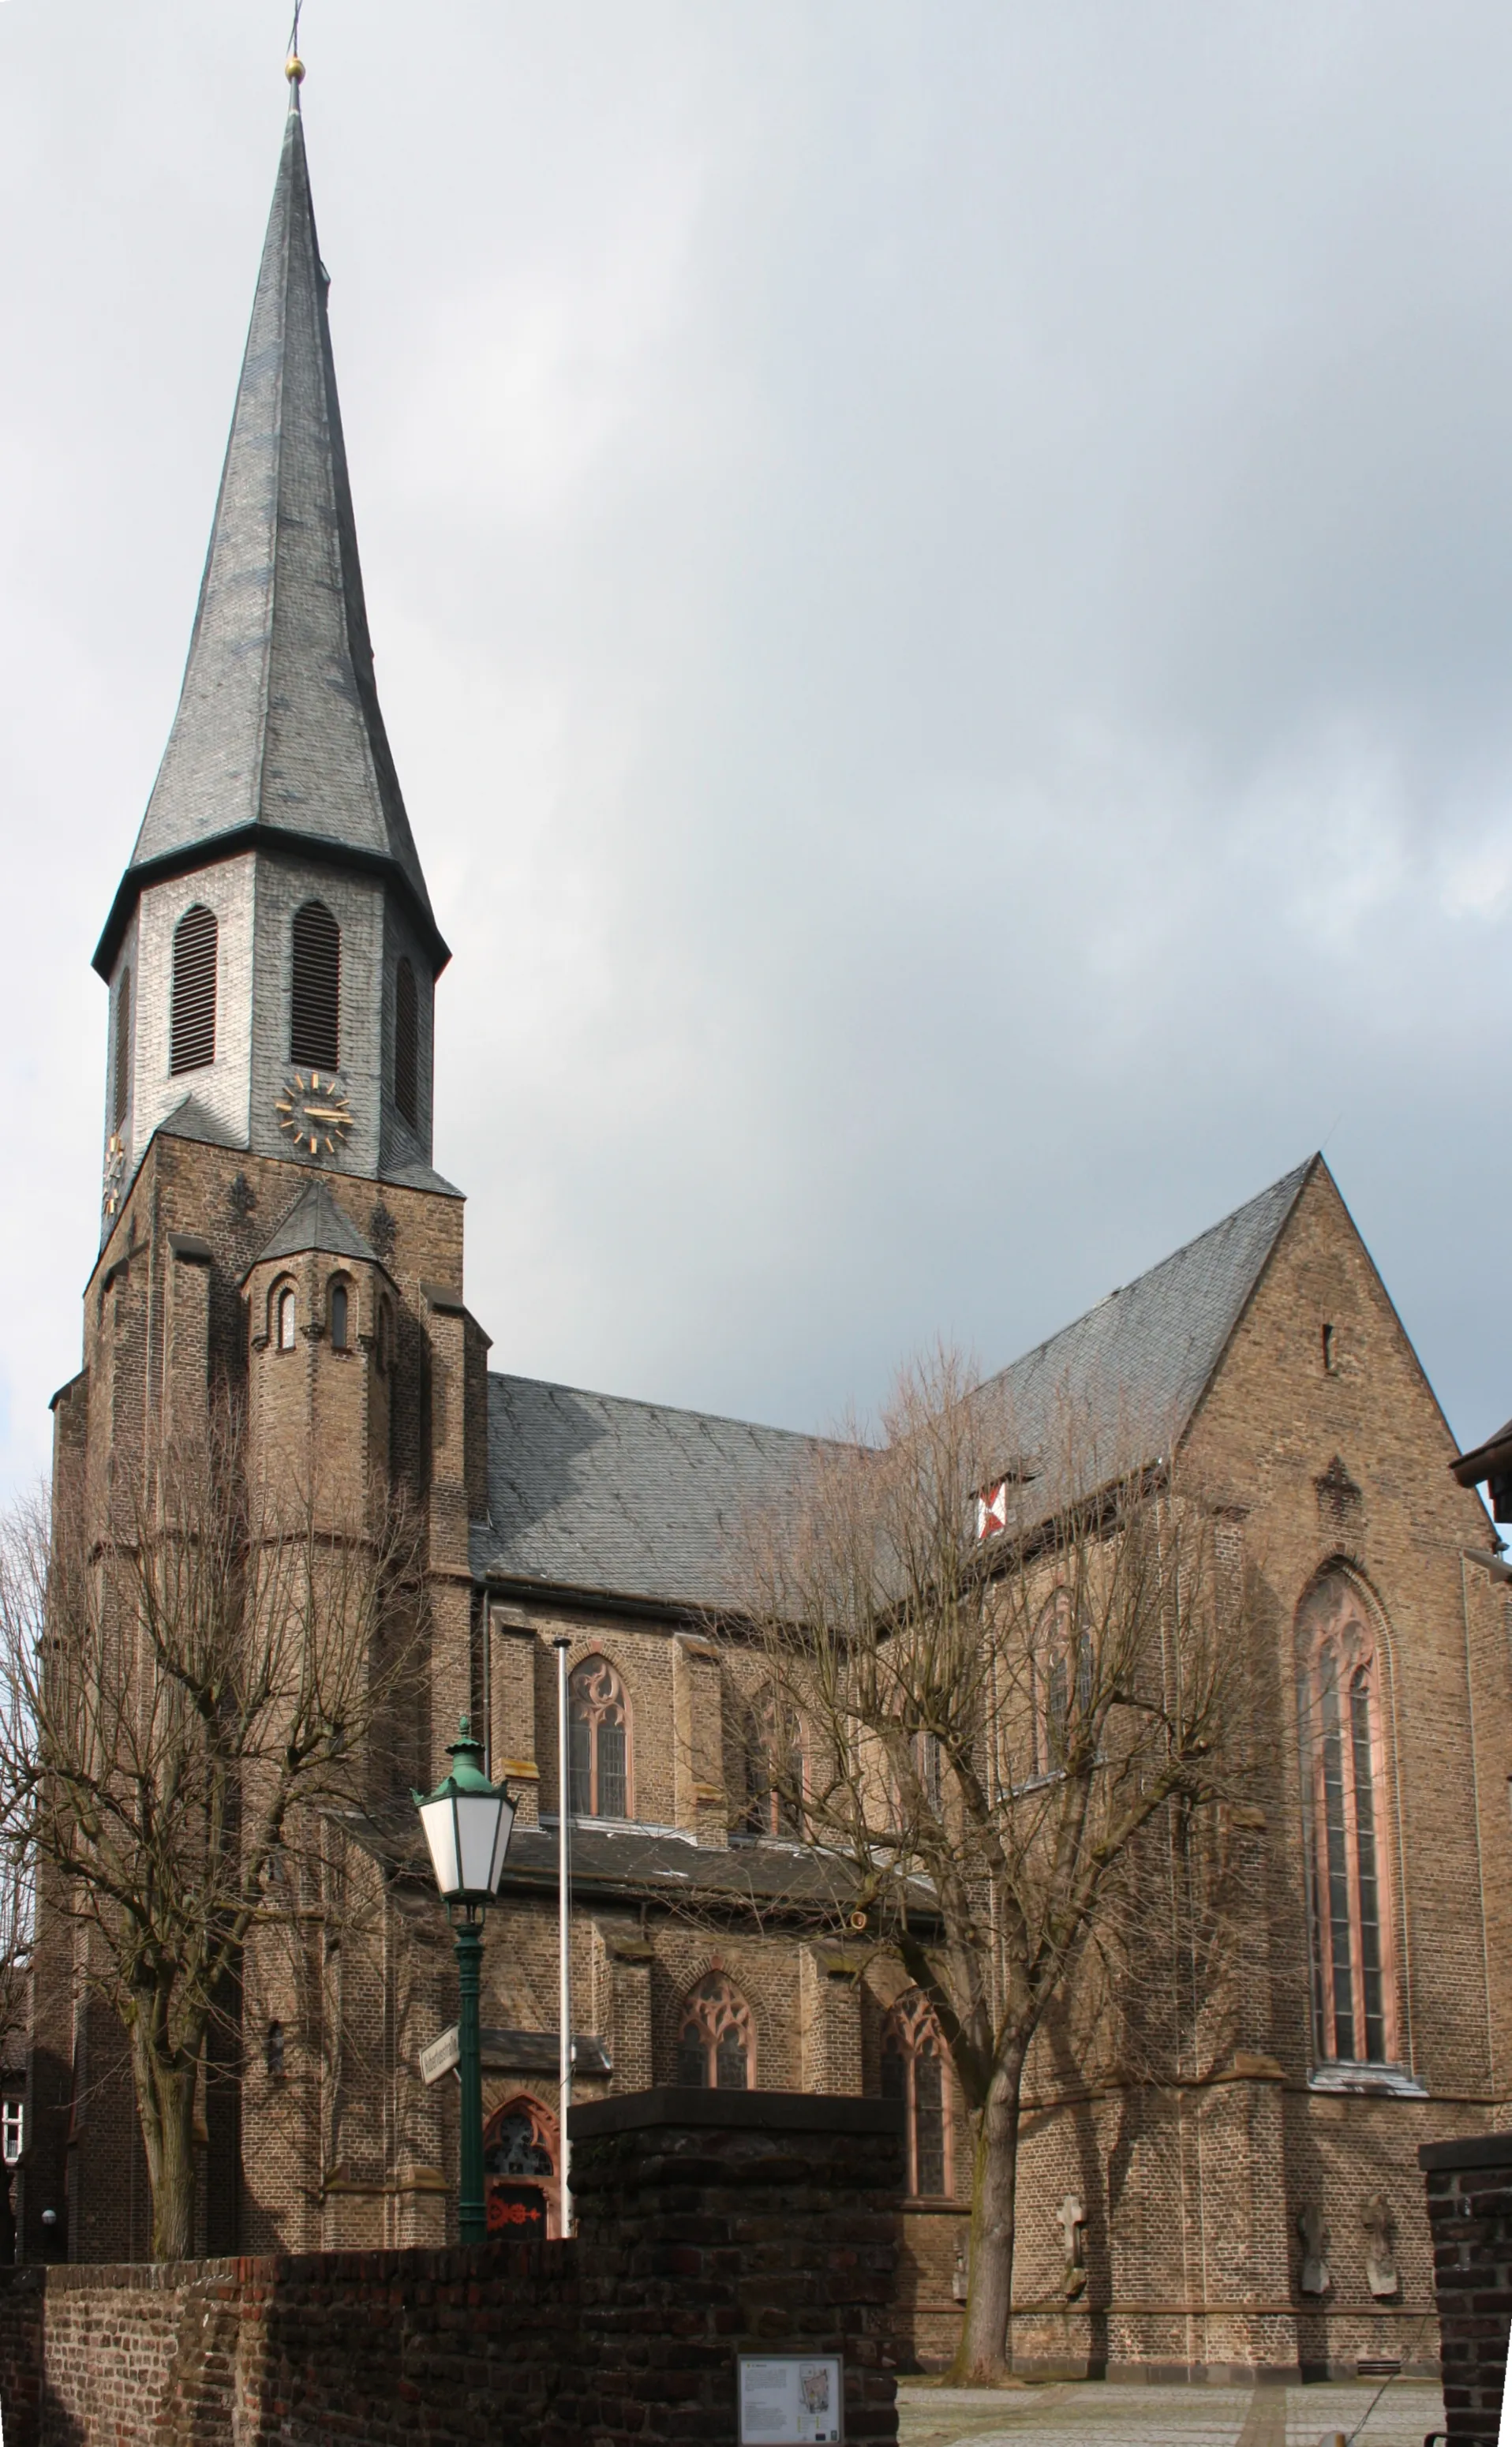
(278, 740)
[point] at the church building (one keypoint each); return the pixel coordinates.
(272, 1224)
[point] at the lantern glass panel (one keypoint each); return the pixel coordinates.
(438, 1820)
(479, 1816)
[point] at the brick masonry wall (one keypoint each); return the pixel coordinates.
(709, 2225)
(1469, 2189)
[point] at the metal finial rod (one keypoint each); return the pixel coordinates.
(293, 65)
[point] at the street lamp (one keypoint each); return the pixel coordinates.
(468, 1823)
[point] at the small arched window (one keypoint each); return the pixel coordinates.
(340, 1316)
(913, 2072)
(598, 1734)
(314, 1000)
(521, 2188)
(774, 1772)
(120, 1069)
(406, 1044)
(274, 2052)
(287, 1312)
(715, 2037)
(1354, 2013)
(192, 1028)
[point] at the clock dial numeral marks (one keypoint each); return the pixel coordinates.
(114, 1172)
(314, 1111)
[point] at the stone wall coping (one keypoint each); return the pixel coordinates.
(735, 2110)
(1480, 2149)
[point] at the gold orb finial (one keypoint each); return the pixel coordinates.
(295, 68)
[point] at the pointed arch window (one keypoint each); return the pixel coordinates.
(521, 2187)
(1061, 1675)
(598, 1741)
(341, 1315)
(286, 1311)
(406, 1044)
(315, 999)
(914, 2073)
(774, 1771)
(120, 1069)
(716, 2047)
(1354, 2006)
(192, 1026)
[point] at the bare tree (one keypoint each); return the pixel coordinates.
(180, 1708)
(1014, 1668)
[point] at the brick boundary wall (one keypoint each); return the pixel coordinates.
(1469, 2189)
(709, 2222)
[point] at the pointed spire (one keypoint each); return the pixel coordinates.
(278, 737)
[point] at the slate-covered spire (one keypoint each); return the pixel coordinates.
(279, 738)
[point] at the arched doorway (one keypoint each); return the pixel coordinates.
(521, 2190)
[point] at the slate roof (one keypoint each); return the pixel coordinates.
(1136, 1366)
(279, 736)
(616, 1862)
(315, 1221)
(587, 1491)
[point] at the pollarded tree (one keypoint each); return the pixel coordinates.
(1018, 1664)
(181, 1709)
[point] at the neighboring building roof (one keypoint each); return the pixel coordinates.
(590, 1493)
(315, 1221)
(1129, 1375)
(279, 738)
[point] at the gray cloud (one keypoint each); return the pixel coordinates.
(943, 590)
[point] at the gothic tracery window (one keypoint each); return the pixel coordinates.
(715, 2038)
(1343, 1800)
(598, 1735)
(913, 2072)
(521, 2191)
(1060, 1685)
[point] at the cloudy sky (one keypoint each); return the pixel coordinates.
(942, 577)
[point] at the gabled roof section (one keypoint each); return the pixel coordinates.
(279, 739)
(315, 1221)
(587, 1491)
(1133, 1370)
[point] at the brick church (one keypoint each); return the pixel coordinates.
(272, 1222)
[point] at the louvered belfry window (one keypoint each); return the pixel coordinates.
(121, 1088)
(192, 1032)
(314, 1018)
(407, 1045)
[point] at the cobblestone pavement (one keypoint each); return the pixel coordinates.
(1105, 2416)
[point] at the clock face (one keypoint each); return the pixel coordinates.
(114, 1172)
(315, 1111)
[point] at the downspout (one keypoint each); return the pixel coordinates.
(1475, 1796)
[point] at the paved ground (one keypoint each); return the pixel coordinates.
(1055, 2414)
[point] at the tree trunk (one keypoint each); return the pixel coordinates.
(165, 2104)
(982, 2357)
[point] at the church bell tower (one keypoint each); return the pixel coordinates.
(276, 1249)
(270, 952)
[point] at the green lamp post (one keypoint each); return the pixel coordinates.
(468, 1823)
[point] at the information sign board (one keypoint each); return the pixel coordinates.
(791, 2400)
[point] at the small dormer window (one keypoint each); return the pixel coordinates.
(314, 1002)
(339, 1321)
(288, 1318)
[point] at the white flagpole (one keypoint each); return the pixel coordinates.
(564, 2002)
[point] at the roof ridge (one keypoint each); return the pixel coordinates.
(663, 1409)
